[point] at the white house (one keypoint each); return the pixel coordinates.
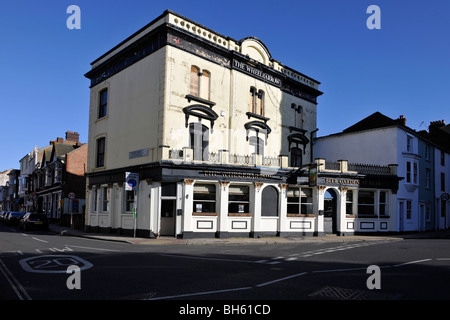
(381, 140)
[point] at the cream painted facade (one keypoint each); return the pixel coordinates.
(219, 132)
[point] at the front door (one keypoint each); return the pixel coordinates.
(168, 216)
(329, 205)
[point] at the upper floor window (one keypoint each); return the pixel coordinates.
(296, 157)
(103, 104)
(200, 83)
(256, 145)
(411, 172)
(298, 115)
(409, 144)
(256, 101)
(199, 140)
(442, 158)
(442, 181)
(100, 160)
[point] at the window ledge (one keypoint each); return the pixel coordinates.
(205, 214)
(292, 215)
(239, 214)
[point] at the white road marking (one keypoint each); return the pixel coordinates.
(37, 239)
(199, 293)
(20, 291)
(411, 262)
(91, 248)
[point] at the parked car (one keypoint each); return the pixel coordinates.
(34, 221)
(3, 216)
(14, 217)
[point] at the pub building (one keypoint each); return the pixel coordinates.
(218, 137)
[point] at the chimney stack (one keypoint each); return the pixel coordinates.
(401, 120)
(435, 125)
(72, 136)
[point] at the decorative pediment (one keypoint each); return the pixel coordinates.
(255, 49)
(257, 126)
(200, 111)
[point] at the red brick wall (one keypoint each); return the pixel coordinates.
(76, 161)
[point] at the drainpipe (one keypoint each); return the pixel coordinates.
(312, 142)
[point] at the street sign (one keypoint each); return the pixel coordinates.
(131, 181)
(71, 195)
(445, 196)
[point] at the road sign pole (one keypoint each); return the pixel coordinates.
(135, 212)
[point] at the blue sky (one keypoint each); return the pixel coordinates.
(401, 69)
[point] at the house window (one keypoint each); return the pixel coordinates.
(296, 157)
(103, 104)
(409, 144)
(199, 140)
(100, 161)
(204, 198)
(415, 172)
(442, 158)
(383, 203)
(256, 101)
(408, 209)
(412, 169)
(427, 178)
(129, 200)
(349, 202)
(427, 152)
(299, 201)
(105, 199)
(200, 83)
(428, 211)
(443, 208)
(238, 199)
(442, 181)
(366, 202)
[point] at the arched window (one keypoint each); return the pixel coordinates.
(200, 83)
(269, 204)
(195, 80)
(256, 104)
(205, 83)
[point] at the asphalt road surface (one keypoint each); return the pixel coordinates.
(33, 266)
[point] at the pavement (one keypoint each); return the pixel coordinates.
(67, 231)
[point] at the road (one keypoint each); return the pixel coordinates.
(33, 266)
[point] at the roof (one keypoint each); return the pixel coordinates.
(374, 121)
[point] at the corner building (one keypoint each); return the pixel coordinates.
(216, 129)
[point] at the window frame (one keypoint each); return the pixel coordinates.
(196, 201)
(100, 152)
(303, 206)
(103, 105)
(245, 201)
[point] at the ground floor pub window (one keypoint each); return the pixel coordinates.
(383, 207)
(366, 203)
(204, 198)
(238, 199)
(349, 202)
(129, 201)
(299, 201)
